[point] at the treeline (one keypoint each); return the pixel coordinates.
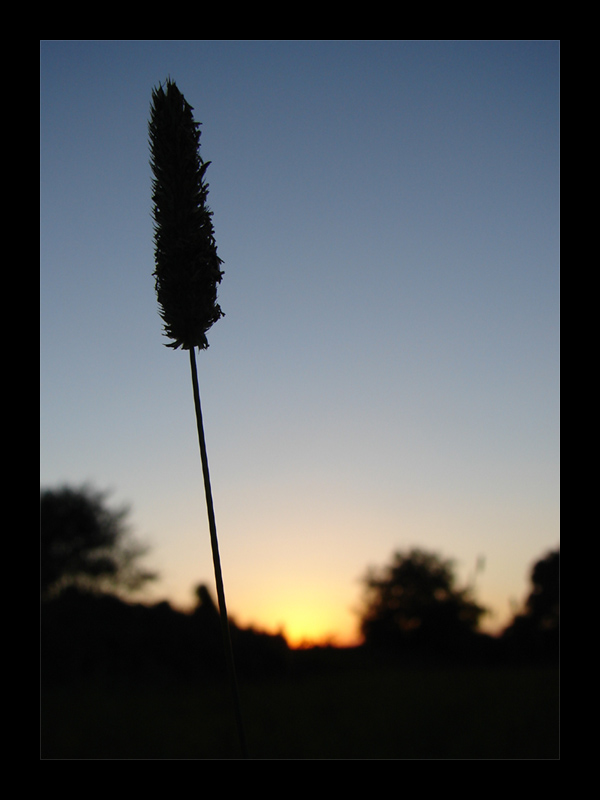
(413, 610)
(413, 607)
(94, 635)
(86, 634)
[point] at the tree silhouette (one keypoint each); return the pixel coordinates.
(535, 632)
(413, 604)
(84, 543)
(543, 604)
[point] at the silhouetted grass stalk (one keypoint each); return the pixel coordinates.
(216, 558)
(187, 272)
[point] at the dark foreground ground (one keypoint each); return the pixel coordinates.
(333, 707)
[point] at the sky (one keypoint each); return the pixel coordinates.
(386, 375)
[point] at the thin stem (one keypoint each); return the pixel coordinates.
(216, 559)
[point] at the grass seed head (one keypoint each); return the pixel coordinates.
(187, 267)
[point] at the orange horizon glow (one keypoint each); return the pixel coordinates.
(304, 626)
(300, 639)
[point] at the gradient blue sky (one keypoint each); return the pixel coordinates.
(387, 372)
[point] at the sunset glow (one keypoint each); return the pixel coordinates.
(303, 623)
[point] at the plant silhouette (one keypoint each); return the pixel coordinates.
(188, 268)
(187, 271)
(414, 605)
(535, 631)
(85, 543)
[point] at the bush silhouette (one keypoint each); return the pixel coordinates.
(535, 632)
(87, 544)
(413, 605)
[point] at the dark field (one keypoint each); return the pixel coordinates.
(347, 710)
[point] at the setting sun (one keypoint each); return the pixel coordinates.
(308, 626)
(305, 620)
